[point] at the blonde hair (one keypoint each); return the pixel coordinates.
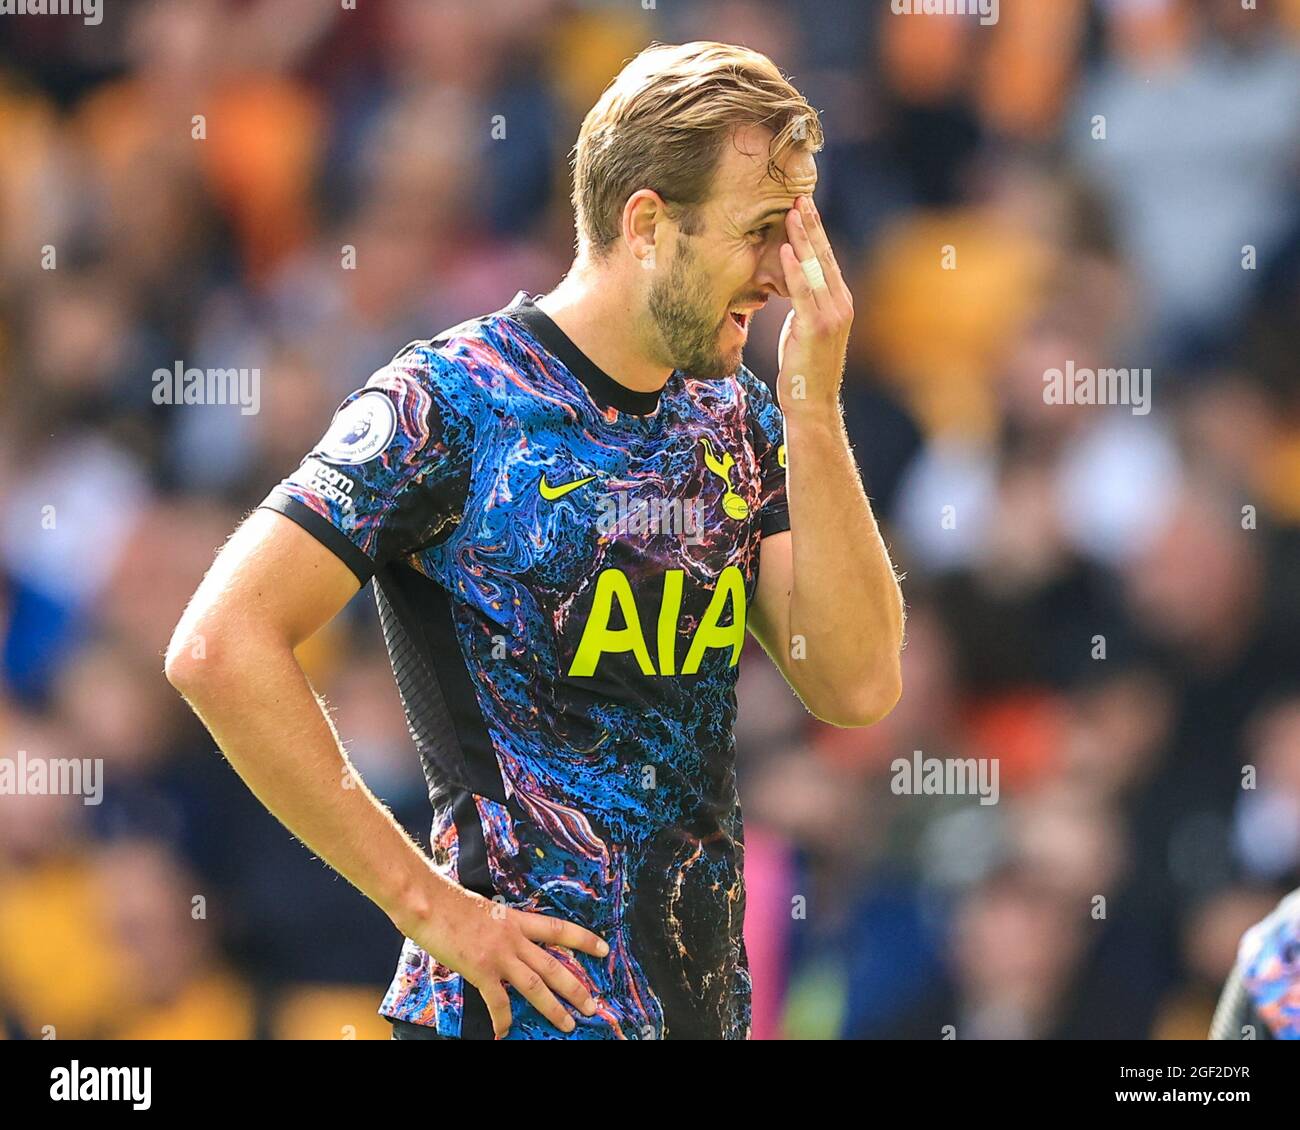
(662, 122)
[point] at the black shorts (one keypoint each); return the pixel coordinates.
(405, 1031)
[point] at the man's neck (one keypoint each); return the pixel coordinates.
(596, 314)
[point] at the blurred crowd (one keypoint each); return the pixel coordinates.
(1106, 603)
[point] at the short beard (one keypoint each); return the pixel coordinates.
(679, 305)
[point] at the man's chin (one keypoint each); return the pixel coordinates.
(718, 368)
(720, 363)
(724, 363)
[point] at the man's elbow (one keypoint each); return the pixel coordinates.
(191, 664)
(865, 703)
(186, 663)
(217, 656)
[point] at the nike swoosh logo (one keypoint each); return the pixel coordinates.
(551, 493)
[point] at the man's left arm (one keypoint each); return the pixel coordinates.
(828, 609)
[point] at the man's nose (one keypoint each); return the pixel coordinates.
(770, 277)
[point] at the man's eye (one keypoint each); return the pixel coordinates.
(758, 235)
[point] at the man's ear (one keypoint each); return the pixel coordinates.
(644, 215)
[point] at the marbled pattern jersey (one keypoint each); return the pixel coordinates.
(562, 567)
(1269, 960)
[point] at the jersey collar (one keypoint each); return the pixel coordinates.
(604, 389)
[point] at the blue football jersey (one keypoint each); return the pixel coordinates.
(562, 567)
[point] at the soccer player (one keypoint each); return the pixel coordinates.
(1261, 999)
(572, 509)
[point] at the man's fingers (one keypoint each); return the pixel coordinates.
(554, 931)
(816, 232)
(498, 1005)
(532, 985)
(796, 282)
(559, 978)
(804, 250)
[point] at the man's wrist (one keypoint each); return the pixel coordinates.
(812, 415)
(414, 896)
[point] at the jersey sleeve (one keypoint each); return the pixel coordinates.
(391, 474)
(767, 431)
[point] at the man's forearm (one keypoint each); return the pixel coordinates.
(273, 731)
(845, 600)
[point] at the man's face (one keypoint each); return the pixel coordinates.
(703, 302)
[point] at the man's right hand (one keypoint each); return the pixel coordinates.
(494, 947)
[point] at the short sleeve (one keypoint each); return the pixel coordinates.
(391, 473)
(767, 431)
